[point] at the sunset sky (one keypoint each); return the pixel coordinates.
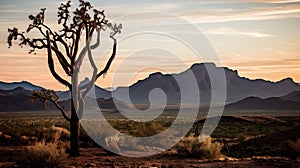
(259, 38)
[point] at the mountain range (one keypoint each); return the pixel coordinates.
(18, 99)
(237, 87)
(24, 84)
(246, 93)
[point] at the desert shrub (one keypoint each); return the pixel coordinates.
(53, 133)
(148, 129)
(295, 145)
(59, 133)
(191, 146)
(44, 154)
(294, 148)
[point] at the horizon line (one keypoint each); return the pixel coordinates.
(114, 88)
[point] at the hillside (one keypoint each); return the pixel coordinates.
(255, 103)
(294, 96)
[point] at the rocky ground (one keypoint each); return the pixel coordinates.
(97, 157)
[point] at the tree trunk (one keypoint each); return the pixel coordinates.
(74, 128)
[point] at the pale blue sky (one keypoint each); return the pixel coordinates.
(259, 38)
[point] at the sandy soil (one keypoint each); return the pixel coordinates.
(97, 157)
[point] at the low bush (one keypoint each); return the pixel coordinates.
(191, 146)
(44, 154)
(294, 148)
(148, 129)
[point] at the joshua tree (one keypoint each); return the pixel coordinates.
(77, 28)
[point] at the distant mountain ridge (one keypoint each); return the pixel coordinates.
(293, 96)
(64, 95)
(24, 84)
(272, 103)
(18, 99)
(238, 88)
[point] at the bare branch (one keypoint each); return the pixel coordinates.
(50, 95)
(33, 43)
(51, 65)
(59, 38)
(46, 27)
(109, 62)
(62, 60)
(96, 45)
(63, 13)
(95, 69)
(76, 42)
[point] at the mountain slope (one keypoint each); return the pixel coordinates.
(238, 87)
(255, 103)
(18, 99)
(24, 84)
(293, 96)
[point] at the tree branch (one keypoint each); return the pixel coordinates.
(76, 42)
(65, 45)
(109, 62)
(95, 69)
(51, 96)
(51, 65)
(96, 45)
(62, 60)
(63, 112)
(50, 31)
(14, 34)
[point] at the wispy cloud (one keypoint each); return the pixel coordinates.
(231, 14)
(276, 1)
(246, 1)
(228, 31)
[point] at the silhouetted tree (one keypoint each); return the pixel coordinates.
(77, 27)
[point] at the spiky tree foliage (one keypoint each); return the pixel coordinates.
(77, 29)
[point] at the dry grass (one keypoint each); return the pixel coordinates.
(191, 146)
(149, 129)
(46, 155)
(295, 145)
(294, 148)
